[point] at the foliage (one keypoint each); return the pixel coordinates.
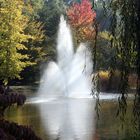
(105, 35)
(12, 37)
(32, 29)
(35, 51)
(50, 15)
(13, 131)
(104, 81)
(34, 45)
(81, 17)
(8, 97)
(32, 8)
(105, 52)
(104, 74)
(124, 29)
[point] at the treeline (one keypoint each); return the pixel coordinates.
(28, 32)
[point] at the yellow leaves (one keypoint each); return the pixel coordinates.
(12, 39)
(85, 33)
(104, 74)
(3, 10)
(36, 30)
(17, 35)
(21, 47)
(106, 35)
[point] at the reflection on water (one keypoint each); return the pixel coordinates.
(71, 119)
(68, 119)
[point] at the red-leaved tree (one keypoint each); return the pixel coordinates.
(81, 17)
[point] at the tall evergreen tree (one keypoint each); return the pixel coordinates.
(50, 15)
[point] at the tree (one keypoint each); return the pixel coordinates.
(33, 7)
(50, 15)
(125, 27)
(81, 17)
(12, 39)
(36, 51)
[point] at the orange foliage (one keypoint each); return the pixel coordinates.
(81, 17)
(80, 14)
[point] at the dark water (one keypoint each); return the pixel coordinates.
(72, 119)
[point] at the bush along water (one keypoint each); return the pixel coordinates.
(11, 130)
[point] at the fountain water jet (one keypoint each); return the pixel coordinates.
(70, 75)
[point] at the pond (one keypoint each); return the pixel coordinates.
(72, 119)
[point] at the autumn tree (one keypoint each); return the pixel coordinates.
(81, 17)
(35, 45)
(12, 39)
(35, 50)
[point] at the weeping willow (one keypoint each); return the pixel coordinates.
(137, 97)
(124, 39)
(125, 32)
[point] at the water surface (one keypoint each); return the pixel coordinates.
(71, 119)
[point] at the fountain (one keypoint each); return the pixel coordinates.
(65, 86)
(70, 75)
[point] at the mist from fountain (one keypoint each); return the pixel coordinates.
(70, 75)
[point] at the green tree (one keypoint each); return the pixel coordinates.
(50, 15)
(33, 7)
